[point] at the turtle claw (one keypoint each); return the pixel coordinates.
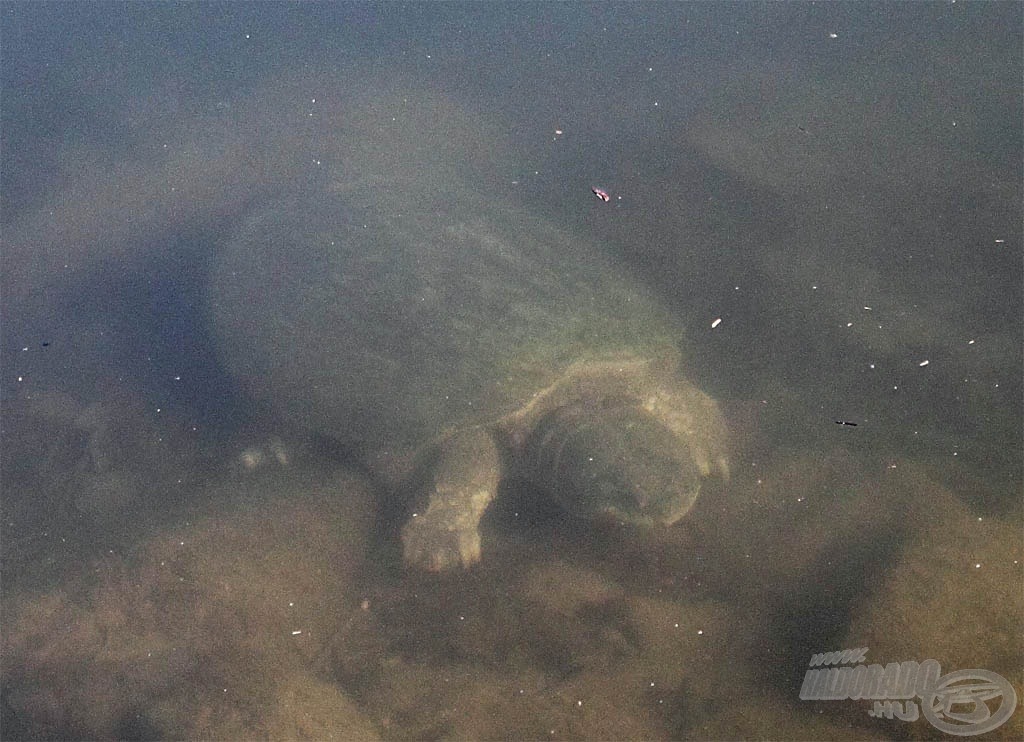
(433, 545)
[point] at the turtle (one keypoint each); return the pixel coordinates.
(412, 315)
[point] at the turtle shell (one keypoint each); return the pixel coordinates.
(391, 312)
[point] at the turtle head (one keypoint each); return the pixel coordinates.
(614, 462)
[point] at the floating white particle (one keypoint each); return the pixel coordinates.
(867, 309)
(716, 323)
(923, 363)
(970, 342)
(849, 324)
(558, 131)
(700, 632)
(833, 36)
(296, 633)
(978, 565)
(999, 242)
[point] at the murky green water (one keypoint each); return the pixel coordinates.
(818, 206)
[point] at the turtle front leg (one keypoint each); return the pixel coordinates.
(465, 482)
